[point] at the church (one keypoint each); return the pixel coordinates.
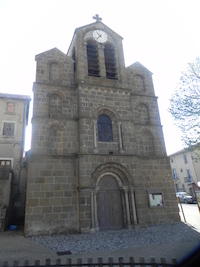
(98, 159)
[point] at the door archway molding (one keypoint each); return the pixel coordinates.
(111, 174)
(125, 186)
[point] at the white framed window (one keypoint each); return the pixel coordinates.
(10, 108)
(189, 176)
(5, 162)
(6, 165)
(185, 158)
(8, 128)
(174, 174)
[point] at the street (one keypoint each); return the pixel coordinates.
(192, 215)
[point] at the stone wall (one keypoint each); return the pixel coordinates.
(51, 195)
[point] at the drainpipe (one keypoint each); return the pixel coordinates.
(22, 148)
(77, 165)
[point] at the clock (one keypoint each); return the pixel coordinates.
(100, 36)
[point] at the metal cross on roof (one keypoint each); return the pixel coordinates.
(97, 17)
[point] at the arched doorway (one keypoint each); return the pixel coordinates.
(109, 204)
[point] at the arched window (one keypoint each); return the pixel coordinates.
(93, 60)
(110, 62)
(105, 128)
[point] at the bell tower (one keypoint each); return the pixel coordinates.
(97, 53)
(98, 158)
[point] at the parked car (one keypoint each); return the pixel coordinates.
(185, 197)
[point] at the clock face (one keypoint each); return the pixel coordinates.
(100, 36)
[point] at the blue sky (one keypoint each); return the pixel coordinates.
(162, 35)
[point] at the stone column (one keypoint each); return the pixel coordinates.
(127, 209)
(92, 210)
(133, 207)
(120, 137)
(102, 61)
(95, 211)
(95, 137)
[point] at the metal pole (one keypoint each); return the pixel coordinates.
(181, 208)
(197, 193)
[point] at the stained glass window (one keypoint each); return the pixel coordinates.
(105, 129)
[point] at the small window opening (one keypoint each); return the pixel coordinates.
(185, 159)
(74, 58)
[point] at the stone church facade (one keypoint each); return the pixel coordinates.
(98, 158)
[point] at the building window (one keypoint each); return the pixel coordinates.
(74, 58)
(8, 128)
(189, 176)
(10, 108)
(5, 169)
(185, 159)
(174, 174)
(105, 128)
(110, 62)
(93, 60)
(5, 162)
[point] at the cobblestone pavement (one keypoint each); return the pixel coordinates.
(115, 240)
(166, 240)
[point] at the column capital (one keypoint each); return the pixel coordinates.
(125, 188)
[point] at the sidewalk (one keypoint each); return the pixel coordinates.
(13, 246)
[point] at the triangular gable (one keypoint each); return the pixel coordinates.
(46, 53)
(96, 25)
(138, 65)
(93, 26)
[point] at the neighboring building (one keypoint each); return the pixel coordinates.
(185, 170)
(98, 158)
(14, 110)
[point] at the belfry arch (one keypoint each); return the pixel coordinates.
(112, 198)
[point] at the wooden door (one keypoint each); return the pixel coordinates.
(109, 204)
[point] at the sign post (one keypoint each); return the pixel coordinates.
(181, 208)
(197, 193)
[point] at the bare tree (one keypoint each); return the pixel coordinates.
(185, 104)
